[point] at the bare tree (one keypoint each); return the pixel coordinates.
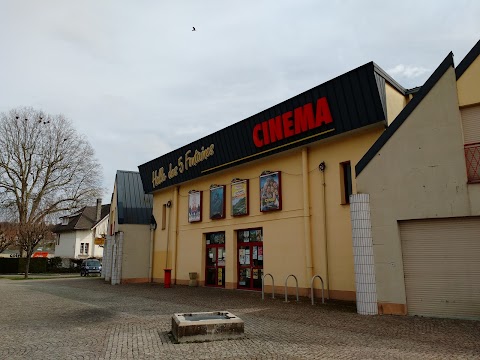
(29, 236)
(46, 168)
(8, 236)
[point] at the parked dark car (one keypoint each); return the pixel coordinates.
(90, 266)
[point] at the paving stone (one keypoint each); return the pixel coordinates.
(82, 318)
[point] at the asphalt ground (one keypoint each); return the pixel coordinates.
(85, 318)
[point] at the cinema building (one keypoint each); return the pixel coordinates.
(270, 194)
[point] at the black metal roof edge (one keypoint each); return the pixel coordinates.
(371, 63)
(404, 114)
(414, 90)
(389, 79)
(127, 171)
(468, 60)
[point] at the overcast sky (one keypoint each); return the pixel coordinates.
(138, 82)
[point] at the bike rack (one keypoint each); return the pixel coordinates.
(263, 286)
(311, 289)
(296, 281)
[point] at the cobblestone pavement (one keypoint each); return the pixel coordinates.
(84, 318)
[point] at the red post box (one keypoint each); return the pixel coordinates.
(167, 279)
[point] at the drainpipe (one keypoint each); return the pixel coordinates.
(325, 249)
(169, 213)
(175, 232)
(306, 215)
(150, 262)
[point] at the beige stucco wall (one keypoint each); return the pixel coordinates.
(136, 251)
(468, 85)
(395, 102)
(99, 231)
(419, 173)
(113, 216)
(283, 231)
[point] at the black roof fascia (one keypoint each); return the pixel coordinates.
(468, 60)
(389, 79)
(354, 100)
(404, 114)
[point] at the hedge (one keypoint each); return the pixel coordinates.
(17, 265)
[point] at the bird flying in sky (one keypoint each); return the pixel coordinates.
(194, 28)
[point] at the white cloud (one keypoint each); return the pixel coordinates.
(408, 71)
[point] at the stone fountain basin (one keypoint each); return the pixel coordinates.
(206, 326)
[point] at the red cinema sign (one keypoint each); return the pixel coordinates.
(292, 123)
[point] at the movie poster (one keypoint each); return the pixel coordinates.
(270, 192)
(194, 206)
(217, 202)
(240, 198)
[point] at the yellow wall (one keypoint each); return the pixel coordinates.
(419, 173)
(136, 245)
(395, 102)
(113, 218)
(283, 231)
(468, 85)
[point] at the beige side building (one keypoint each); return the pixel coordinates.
(419, 211)
(128, 246)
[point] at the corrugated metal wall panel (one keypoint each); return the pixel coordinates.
(134, 206)
(441, 260)
(471, 124)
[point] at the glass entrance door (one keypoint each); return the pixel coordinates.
(215, 262)
(250, 259)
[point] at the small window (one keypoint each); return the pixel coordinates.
(346, 182)
(86, 248)
(65, 221)
(81, 248)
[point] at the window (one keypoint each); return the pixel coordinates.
(81, 248)
(57, 240)
(346, 182)
(65, 220)
(86, 248)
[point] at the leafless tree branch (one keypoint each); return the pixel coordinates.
(46, 168)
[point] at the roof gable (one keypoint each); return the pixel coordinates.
(84, 219)
(468, 60)
(404, 114)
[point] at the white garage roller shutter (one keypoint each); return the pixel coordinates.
(441, 260)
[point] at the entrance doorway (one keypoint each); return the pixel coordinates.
(250, 258)
(215, 262)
